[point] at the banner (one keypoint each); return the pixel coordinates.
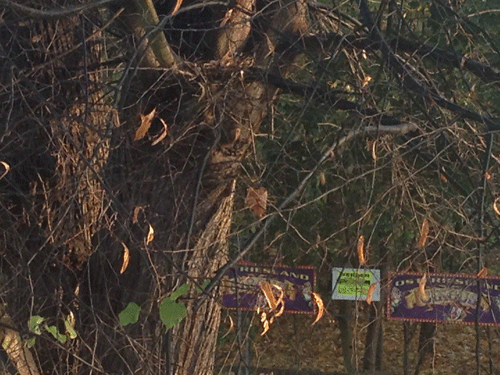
(353, 283)
(241, 290)
(448, 298)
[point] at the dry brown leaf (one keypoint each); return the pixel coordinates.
(374, 151)
(231, 326)
(6, 167)
(126, 258)
(319, 306)
(265, 323)
(163, 134)
(177, 7)
(145, 124)
(424, 232)
(496, 205)
(268, 293)
(137, 211)
(366, 81)
(280, 310)
(280, 303)
(361, 250)
(421, 290)
(276, 304)
(322, 178)
(443, 177)
(256, 201)
(235, 134)
(488, 173)
(483, 272)
(369, 294)
(151, 235)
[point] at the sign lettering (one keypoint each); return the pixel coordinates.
(353, 284)
(241, 290)
(450, 298)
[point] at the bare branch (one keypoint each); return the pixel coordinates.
(318, 91)
(324, 43)
(54, 14)
(407, 79)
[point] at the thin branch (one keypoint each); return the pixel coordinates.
(317, 91)
(325, 42)
(54, 14)
(480, 233)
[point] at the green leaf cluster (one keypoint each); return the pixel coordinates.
(36, 325)
(171, 311)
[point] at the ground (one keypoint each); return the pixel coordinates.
(292, 343)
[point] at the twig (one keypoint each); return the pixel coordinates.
(315, 90)
(480, 233)
(325, 42)
(54, 14)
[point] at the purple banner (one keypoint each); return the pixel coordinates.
(240, 287)
(449, 298)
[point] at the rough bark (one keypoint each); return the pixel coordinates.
(344, 320)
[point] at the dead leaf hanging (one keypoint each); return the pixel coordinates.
(256, 201)
(163, 134)
(424, 232)
(361, 250)
(488, 173)
(322, 178)
(126, 258)
(280, 302)
(231, 326)
(145, 125)
(275, 297)
(369, 294)
(265, 323)
(280, 310)
(366, 81)
(177, 6)
(496, 205)
(6, 167)
(421, 290)
(137, 211)
(319, 306)
(272, 301)
(483, 272)
(151, 235)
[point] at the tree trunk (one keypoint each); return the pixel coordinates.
(344, 320)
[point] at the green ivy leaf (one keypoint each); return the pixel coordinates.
(130, 314)
(35, 324)
(171, 312)
(57, 335)
(30, 342)
(203, 285)
(180, 291)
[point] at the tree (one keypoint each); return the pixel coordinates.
(126, 124)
